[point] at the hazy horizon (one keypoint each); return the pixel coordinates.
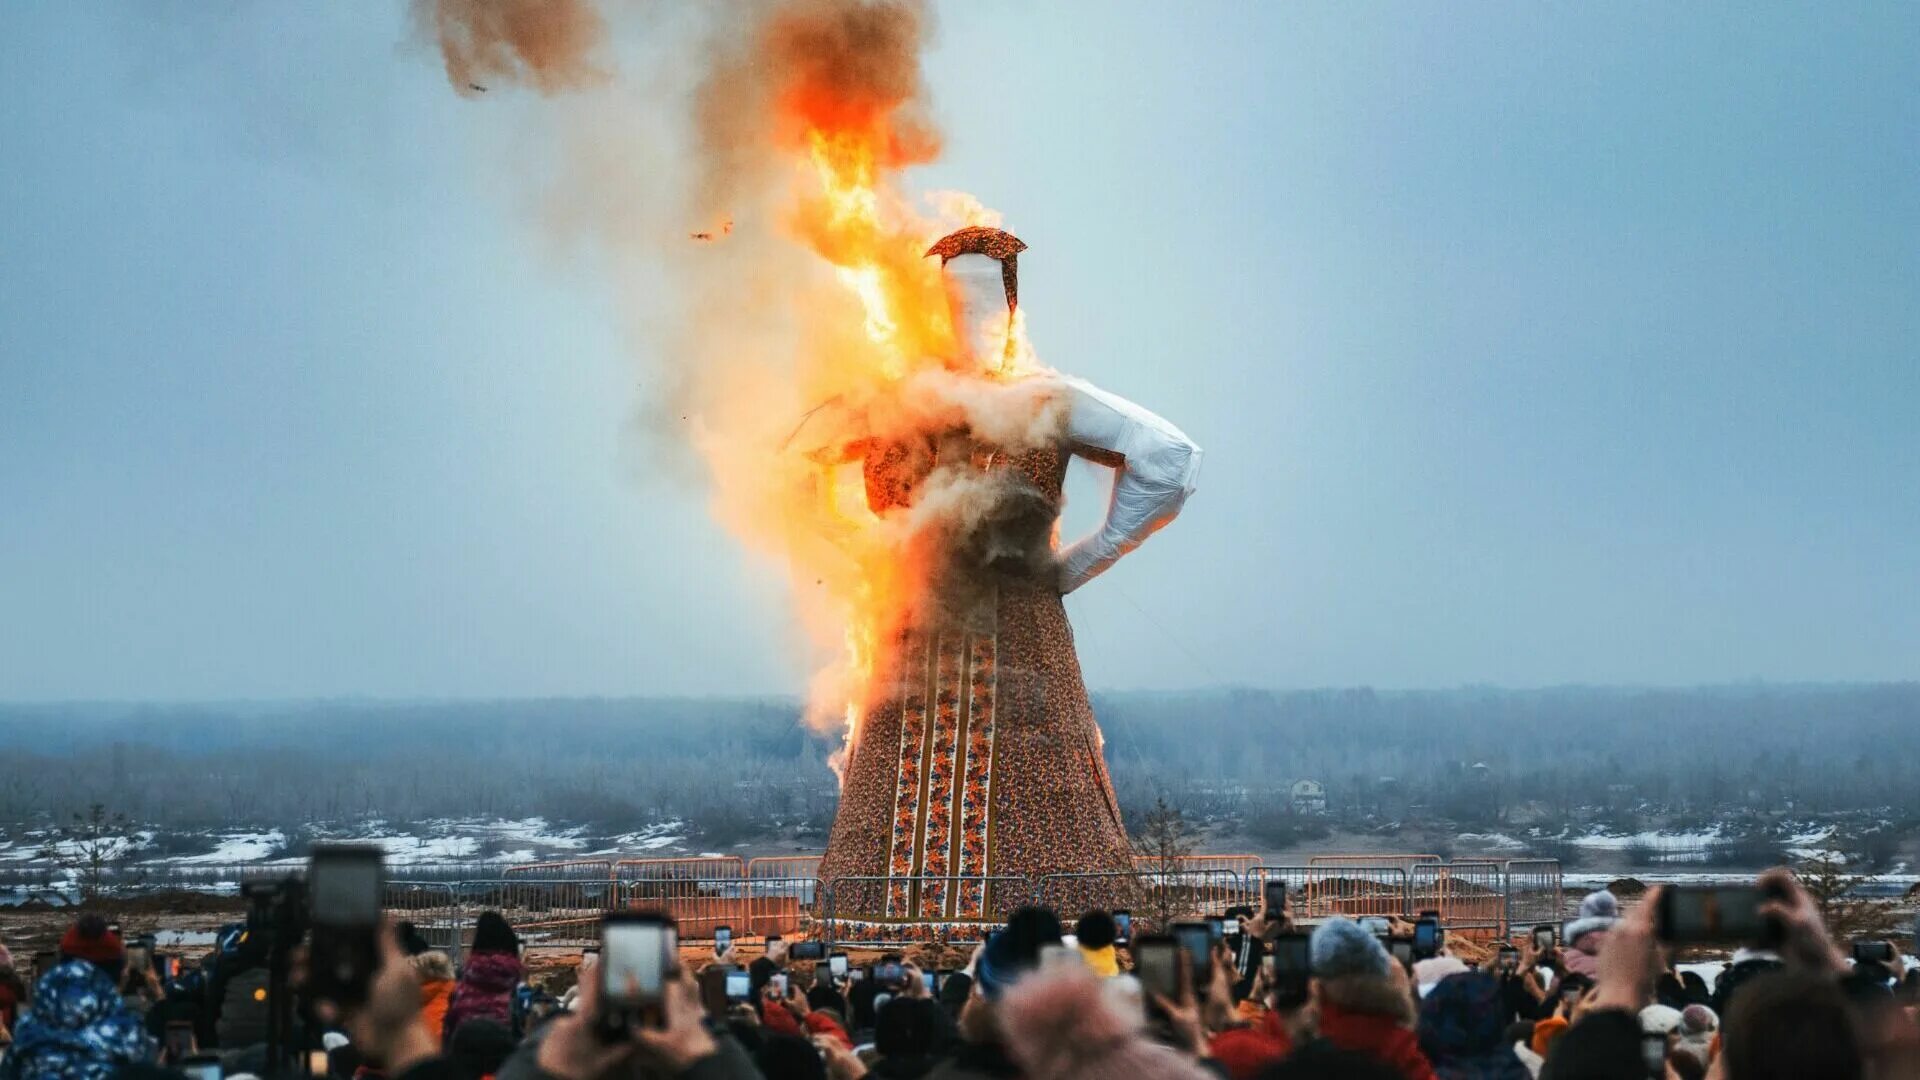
(796, 700)
(1528, 347)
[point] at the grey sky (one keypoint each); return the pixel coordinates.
(1528, 343)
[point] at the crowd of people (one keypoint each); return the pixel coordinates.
(1600, 999)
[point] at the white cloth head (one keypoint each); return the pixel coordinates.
(977, 302)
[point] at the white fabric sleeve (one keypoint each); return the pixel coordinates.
(1159, 471)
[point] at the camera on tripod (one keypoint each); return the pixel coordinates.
(335, 910)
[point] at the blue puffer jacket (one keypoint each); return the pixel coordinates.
(79, 1029)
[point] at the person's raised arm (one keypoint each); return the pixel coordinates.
(1156, 467)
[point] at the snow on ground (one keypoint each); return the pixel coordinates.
(664, 838)
(1494, 840)
(1684, 841)
(237, 847)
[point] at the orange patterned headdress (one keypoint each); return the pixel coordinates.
(994, 243)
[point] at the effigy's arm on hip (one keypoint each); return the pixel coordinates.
(1156, 464)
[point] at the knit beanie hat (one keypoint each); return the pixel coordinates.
(1698, 1020)
(1659, 1019)
(90, 940)
(1340, 947)
(1062, 1024)
(1598, 911)
(1428, 973)
(1015, 950)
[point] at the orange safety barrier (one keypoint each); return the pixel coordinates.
(784, 867)
(1465, 894)
(1407, 861)
(572, 870)
(702, 867)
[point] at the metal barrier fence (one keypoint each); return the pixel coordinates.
(1239, 864)
(1155, 896)
(1479, 895)
(571, 870)
(710, 867)
(1534, 893)
(784, 867)
(1352, 890)
(553, 911)
(434, 910)
(1466, 895)
(697, 905)
(788, 906)
(906, 910)
(1406, 861)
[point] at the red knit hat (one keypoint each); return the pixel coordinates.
(89, 939)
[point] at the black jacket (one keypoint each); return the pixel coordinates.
(1602, 1046)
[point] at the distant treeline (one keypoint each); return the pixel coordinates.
(733, 767)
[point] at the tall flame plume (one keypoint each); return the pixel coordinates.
(811, 322)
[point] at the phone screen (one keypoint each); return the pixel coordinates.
(779, 983)
(1509, 958)
(837, 963)
(345, 887)
(1276, 893)
(1401, 949)
(1122, 926)
(1426, 937)
(739, 985)
(1292, 954)
(928, 980)
(201, 1068)
(1156, 964)
(1722, 913)
(633, 961)
(1197, 939)
(722, 937)
(1542, 938)
(1216, 927)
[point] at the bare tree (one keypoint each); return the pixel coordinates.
(1165, 841)
(90, 845)
(1826, 876)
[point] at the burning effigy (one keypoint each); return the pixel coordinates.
(853, 362)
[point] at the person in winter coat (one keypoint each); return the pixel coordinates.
(486, 986)
(79, 1028)
(1010, 954)
(1364, 1000)
(1282, 1017)
(1463, 1029)
(435, 971)
(1060, 1024)
(1588, 932)
(909, 1034)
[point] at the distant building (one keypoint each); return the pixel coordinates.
(1309, 797)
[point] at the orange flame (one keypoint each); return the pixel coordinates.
(848, 209)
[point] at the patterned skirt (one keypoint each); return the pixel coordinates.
(977, 772)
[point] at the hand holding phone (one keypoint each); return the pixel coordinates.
(344, 885)
(637, 954)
